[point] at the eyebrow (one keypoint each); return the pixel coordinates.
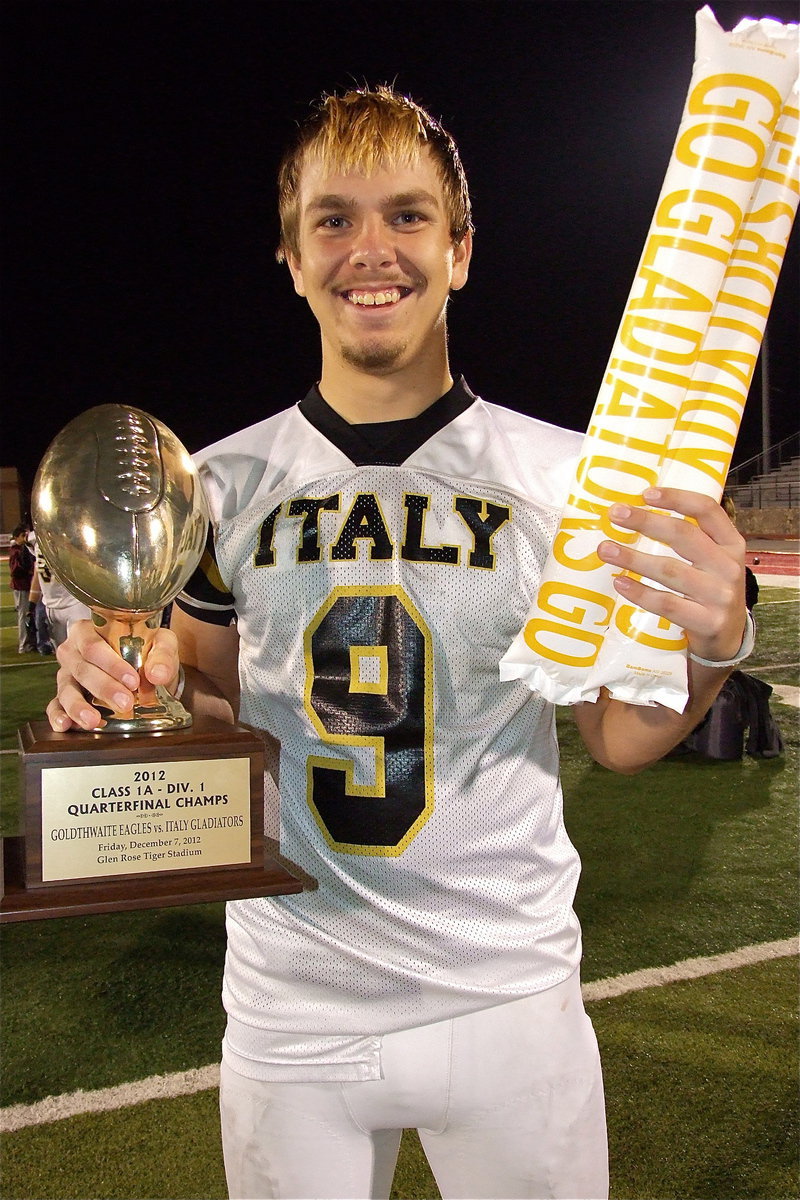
(334, 200)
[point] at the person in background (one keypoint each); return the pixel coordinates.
(38, 622)
(750, 580)
(57, 602)
(21, 563)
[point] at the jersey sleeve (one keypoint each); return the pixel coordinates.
(205, 595)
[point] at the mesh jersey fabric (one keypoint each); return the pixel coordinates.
(57, 600)
(373, 605)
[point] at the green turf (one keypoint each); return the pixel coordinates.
(700, 1083)
(9, 652)
(26, 695)
(692, 856)
(144, 986)
(166, 1149)
(778, 640)
(26, 689)
(701, 1087)
(161, 1149)
(689, 858)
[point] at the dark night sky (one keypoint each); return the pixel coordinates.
(140, 146)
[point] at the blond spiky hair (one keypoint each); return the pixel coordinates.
(361, 131)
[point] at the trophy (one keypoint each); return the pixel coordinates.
(153, 808)
(121, 519)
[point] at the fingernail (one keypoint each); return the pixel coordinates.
(160, 673)
(130, 681)
(620, 510)
(652, 494)
(610, 550)
(622, 583)
(87, 718)
(122, 701)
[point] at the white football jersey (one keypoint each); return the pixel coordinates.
(58, 601)
(374, 604)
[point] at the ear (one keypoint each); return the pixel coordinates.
(295, 270)
(462, 254)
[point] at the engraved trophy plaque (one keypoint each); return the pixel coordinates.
(155, 808)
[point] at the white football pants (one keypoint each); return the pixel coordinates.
(508, 1102)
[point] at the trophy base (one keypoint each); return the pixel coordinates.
(121, 823)
(167, 714)
(19, 903)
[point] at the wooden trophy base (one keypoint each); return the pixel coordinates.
(116, 822)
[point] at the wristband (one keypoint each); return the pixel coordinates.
(744, 651)
(181, 684)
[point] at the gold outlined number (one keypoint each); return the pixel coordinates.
(369, 683)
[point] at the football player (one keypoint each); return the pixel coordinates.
(375, 549)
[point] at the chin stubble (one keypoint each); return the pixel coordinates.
(373, 358)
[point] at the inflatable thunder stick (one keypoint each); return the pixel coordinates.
(638, 657)
(737, 92)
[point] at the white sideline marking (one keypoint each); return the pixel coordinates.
(777, 580)
(186, 1083)
(75, 1104)
(41, 660)
(690, 968)
(787, 693)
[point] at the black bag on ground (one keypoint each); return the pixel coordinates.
(743, 704)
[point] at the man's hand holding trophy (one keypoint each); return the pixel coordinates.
(151, 808)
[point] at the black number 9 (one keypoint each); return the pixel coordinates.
(369, 682)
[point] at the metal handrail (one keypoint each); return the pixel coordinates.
(775, 456)
(766, 494)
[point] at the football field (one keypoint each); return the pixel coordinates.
(111, 1024)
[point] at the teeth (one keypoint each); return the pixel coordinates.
(374, 298)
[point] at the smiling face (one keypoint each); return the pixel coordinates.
(376, 263)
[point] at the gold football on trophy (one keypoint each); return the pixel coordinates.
(121, 519)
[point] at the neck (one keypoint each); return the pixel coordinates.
(362, 397)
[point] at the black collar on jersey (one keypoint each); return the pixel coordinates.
(385, 443)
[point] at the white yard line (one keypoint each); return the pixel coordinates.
(777, 580)
(75, 1104)
(28, 660)
(186, 1083)
(690, 968)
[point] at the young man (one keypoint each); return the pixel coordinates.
(375, 551)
